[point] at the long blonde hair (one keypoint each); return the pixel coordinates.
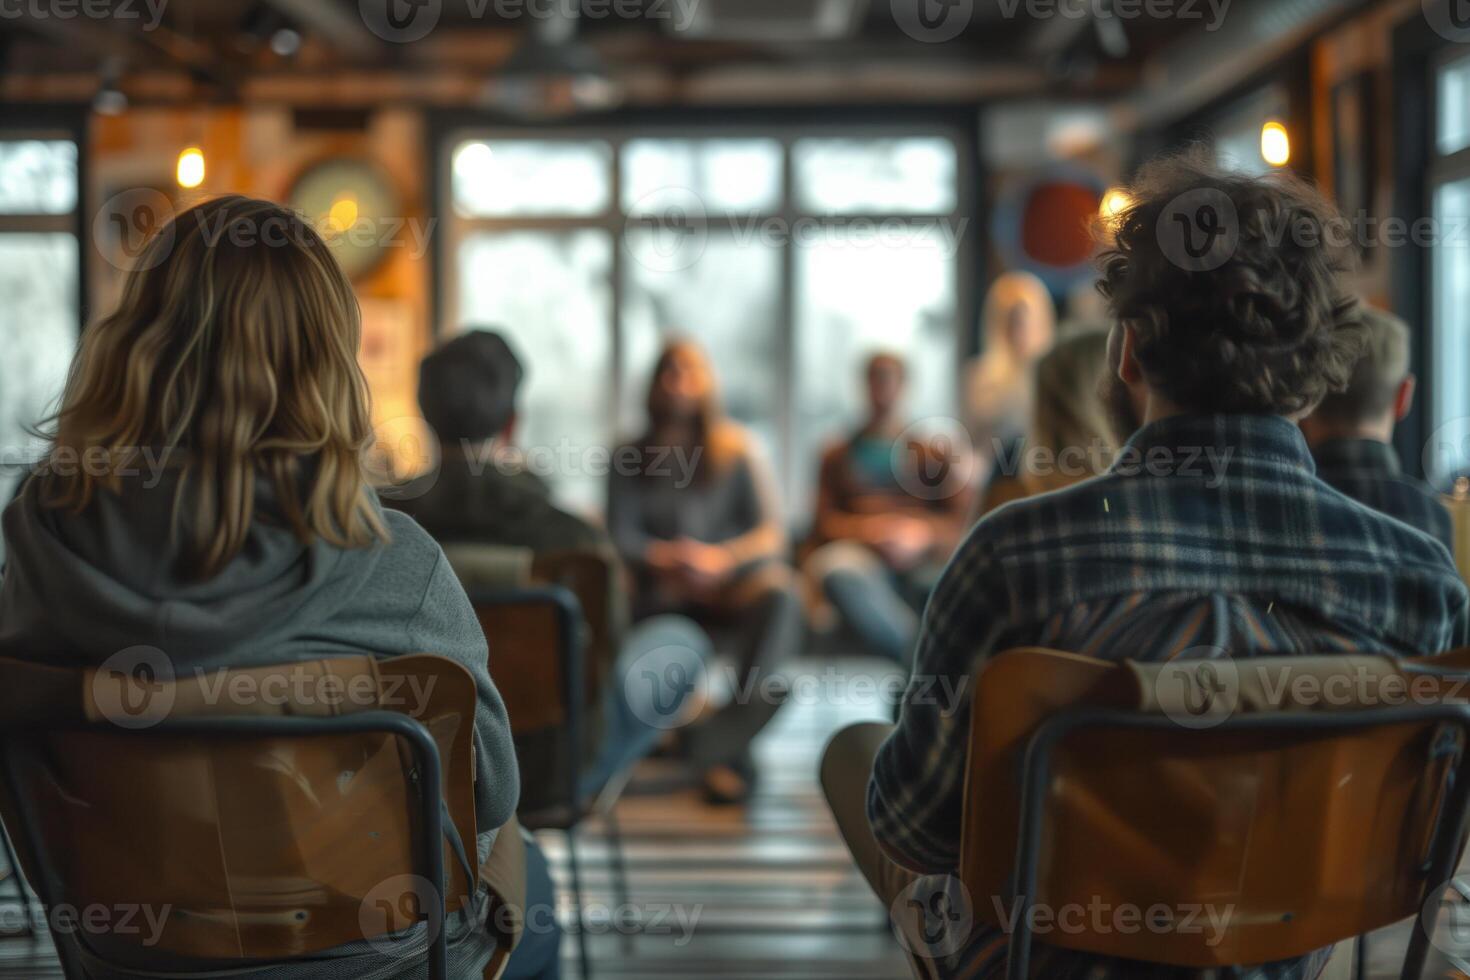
(232, 352)
(1069, 411)
(1068, 414)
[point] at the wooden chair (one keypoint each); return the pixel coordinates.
(536, 640)
(595, 578)
(318, 812)
(1318, 824)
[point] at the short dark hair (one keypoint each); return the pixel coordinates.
(1382, 368)
(467, 387)
(1256, 323)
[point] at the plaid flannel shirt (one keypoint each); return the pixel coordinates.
(1370, 473)
(1209, 536)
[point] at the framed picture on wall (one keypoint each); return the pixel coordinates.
(1354, 150)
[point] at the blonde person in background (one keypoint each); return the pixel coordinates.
(1018, 326)
(1070, 438)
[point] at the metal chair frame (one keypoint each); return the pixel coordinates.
(428, 815)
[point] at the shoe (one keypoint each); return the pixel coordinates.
(730, 784)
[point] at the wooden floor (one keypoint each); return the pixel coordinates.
(765, 891)
(769, 888)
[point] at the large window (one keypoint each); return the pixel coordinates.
(39, 271)
(1449, 199)
(790, 256)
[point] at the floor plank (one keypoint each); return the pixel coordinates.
(769, 887)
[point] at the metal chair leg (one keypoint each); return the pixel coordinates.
(619, 867)
(1360, 958)
(576, 869)
(26, 909)
(1418, 950)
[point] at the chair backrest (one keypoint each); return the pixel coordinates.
(272, 812)
(536, 642)
(486, 566)
(595, 579)
(1304, 815)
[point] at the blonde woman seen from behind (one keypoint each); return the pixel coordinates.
(1070, 438)
(224, 517)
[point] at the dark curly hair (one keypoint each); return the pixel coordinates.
(1234, 287)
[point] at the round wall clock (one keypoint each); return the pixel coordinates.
(351, 203)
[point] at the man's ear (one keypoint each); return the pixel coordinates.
(1129, 370)
(1403, 401)
(508, 433)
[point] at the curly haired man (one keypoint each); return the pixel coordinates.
(1228, 299)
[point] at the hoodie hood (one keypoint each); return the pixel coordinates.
(87, 585)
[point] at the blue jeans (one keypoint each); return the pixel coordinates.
(658, 668)
(538, 957)
(871, 598)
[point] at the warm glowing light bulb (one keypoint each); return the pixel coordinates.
(343, 214)
(1114, 203)
(1275, 144)
(473, 158)
(190, 171)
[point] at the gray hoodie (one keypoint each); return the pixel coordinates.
(78, 588)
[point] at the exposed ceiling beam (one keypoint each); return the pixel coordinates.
(116, 38)
(1056, 34)
(339, 24)
(1203, 64)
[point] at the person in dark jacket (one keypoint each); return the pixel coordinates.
(1351, 432)
(482, 493)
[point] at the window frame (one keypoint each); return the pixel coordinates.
(19, 123)
(1442, 170)
(1418, 52)
(447, 131)
(31, 122)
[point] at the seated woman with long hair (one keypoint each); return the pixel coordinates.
(699, 525)
(1072, 435)
(232, 358)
